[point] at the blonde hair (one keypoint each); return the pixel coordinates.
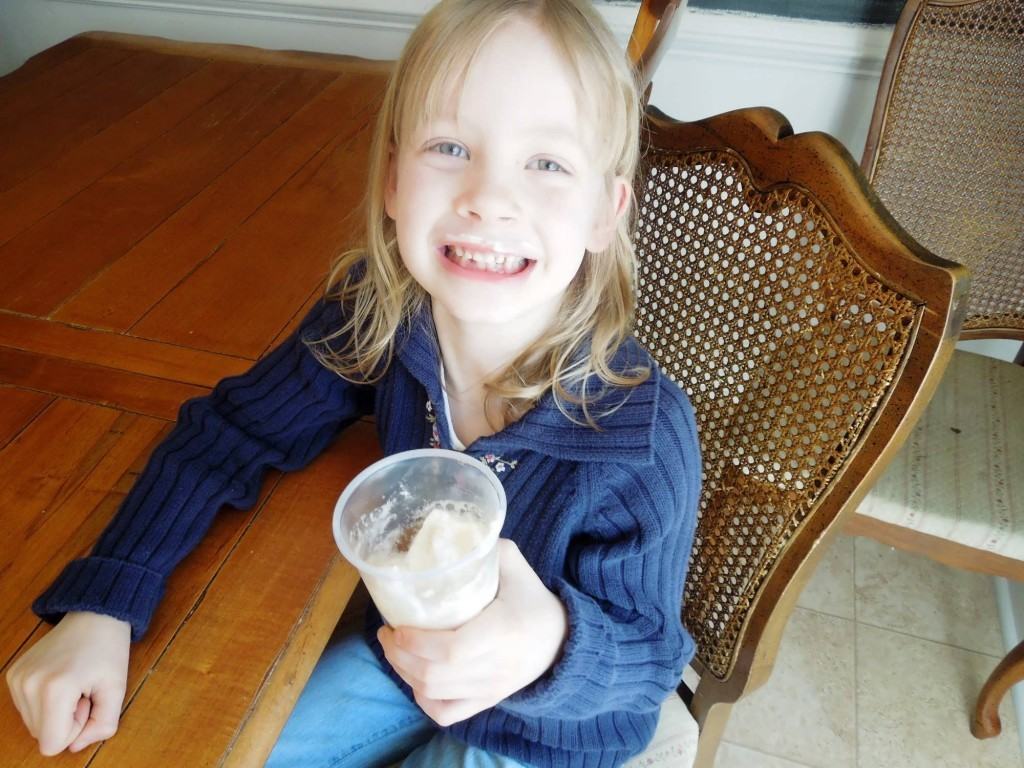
(596, 313)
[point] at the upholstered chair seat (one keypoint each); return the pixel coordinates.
(675, 741)
(955, 478)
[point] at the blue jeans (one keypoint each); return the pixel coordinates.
(352, 715)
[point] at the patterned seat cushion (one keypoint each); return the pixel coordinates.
(675, 741)
(960, 475)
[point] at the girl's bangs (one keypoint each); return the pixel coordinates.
(607, 90)
(430, 82)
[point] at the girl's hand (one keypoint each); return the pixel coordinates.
(69, 686)
(516, 639)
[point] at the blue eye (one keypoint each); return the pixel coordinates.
(449, 148)
(550, 165)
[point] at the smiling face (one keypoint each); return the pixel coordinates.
(497, 199)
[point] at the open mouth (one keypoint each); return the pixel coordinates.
(485, 261)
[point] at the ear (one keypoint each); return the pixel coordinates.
(391, 185)
(614, 208)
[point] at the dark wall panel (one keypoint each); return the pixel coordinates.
(850, 11)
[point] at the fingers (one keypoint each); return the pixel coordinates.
(435, 644)
(455, 646)
(103, 717)
(59, 716)
(434, 679)
(411, 668)
(444, 713)
(55, 719)
(20, 704)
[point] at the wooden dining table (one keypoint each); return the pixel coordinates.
(168, 212)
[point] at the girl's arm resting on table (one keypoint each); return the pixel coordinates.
(282, 413)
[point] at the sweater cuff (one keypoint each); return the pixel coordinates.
(115, 588)
(568, 686)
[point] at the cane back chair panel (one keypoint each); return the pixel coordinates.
(806, 328)
(945, 150)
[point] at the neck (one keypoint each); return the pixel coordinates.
(474, 352)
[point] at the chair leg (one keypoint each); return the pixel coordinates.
(711, 731)
(986, 715)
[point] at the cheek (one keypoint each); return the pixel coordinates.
(570, 206)
(569, 221)
(416, 209)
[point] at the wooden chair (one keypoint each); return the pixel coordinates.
(653, 32)
(809, 331)
(945, 153)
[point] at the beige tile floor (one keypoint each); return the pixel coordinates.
(879, 667)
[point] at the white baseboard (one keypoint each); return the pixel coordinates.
(355, 15)
(821, 75)
(820, 46)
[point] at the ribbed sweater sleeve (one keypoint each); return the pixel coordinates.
(281, 413)
(623, 584)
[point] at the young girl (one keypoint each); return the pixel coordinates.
(489, 312)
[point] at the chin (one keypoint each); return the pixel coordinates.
(483, 314)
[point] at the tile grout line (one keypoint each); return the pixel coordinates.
(796, 763)
(899, 632)
(930, 640)
(825, 613)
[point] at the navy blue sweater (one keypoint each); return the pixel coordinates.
(606, 519)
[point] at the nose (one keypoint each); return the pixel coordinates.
(487, 196)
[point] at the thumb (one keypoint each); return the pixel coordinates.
(517, 575)
(78, 720)
(509, 556)
(103, 717)
(80, 717)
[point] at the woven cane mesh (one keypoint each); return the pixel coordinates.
(784, 343)
(951, 158)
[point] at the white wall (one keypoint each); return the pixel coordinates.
(821, 75)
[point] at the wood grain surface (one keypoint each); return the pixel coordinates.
(168, 211)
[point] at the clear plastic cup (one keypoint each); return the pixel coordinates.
(383, 508)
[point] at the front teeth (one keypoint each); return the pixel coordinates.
(492, 262)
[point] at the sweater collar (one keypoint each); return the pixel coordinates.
(626, 417)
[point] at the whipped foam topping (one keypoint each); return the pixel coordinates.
(422, 576)
(445, 536)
